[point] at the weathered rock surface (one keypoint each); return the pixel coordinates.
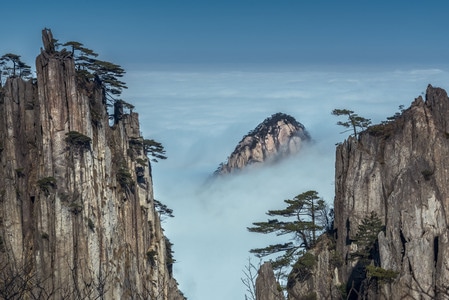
(77, 217)
(320, 281)
(276, 137)
(267, 288)
(398, 170)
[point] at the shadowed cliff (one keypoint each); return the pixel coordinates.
(77, 216)
(390, 183)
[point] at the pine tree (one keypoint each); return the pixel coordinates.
(305, 217)
(354, 121)
(366, 237)
(89, 67)
(13, 66)
(154, 149)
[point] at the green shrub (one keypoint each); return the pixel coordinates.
(304, 266)
(135, 147)
(336, 259)
(142, 162)
(75, 208)
(47, 184)
(342, 289)
(310, 296)
(2, 245)
(78, 140)
(382, 275)
(91, 224)
(125, 178)
(20, 172)
(427, 173)
(151, 256)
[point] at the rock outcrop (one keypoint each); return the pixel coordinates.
(276, 137)
(399, 172)
(267, 288)
(77, 216)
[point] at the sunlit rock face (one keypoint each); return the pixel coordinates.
(399, 170)
(77, 216)
(275, 138)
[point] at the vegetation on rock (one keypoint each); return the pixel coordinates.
(46, 184)
(354, 122)
(380, 274)
(78, 140)
(125, 178)
(304, 218)
(154, 149)
(366, 237)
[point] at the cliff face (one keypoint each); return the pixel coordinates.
(276, 137)
(77, 216)
(399, 171)
(266, 286)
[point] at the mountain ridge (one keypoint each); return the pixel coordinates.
(394, 173)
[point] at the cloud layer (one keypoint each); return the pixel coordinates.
(200, 117)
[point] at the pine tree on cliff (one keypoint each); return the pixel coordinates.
(90, 67)
(154, 149)
(354, 121)
(306, 217)
(12, 66)
(83, 57)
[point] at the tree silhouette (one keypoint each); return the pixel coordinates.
(89, 67)
(83, 57)
(154, 149)
(306, 217)
(13, 66)
(354, 121)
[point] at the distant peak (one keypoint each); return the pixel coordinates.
(277, 137)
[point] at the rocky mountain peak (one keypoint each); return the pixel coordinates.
(395, 175)
(278, 136)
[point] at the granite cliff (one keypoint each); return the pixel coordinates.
(397, 173)
(276, 137)
(77, 214)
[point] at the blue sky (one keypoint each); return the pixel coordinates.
(286, 32)
(204, 73)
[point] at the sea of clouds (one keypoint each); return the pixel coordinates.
(200, 117)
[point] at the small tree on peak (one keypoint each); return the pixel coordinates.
(354, 121)
(84, 58)
(90, 67)
(108, 73)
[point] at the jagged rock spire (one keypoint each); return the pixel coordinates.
(267, 288)
(48, 41)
